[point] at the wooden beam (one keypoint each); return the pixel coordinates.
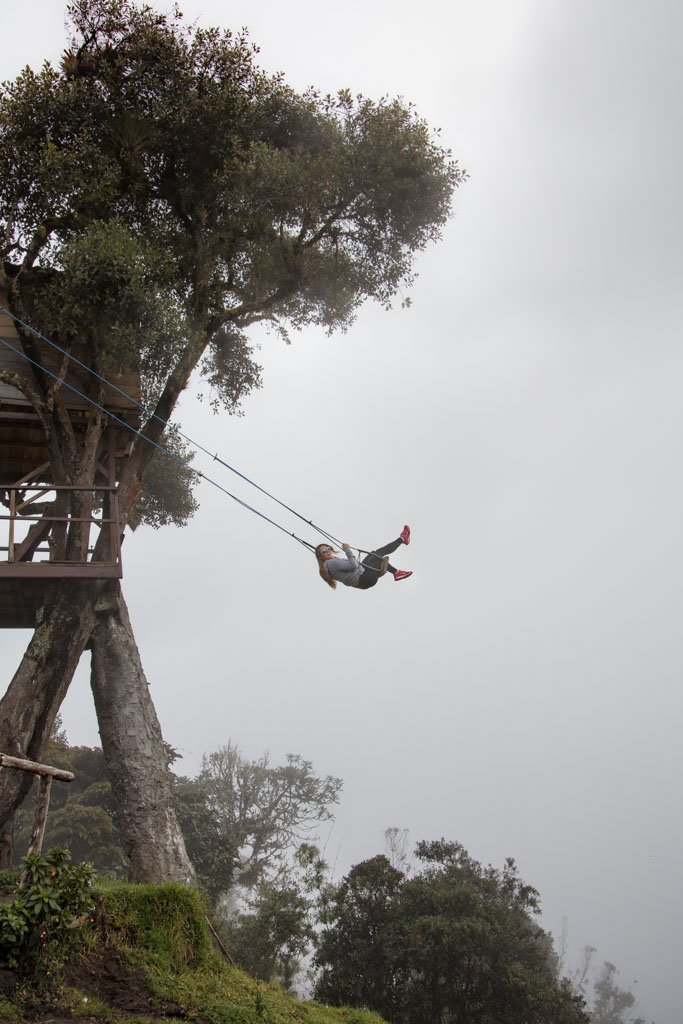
(35, 537)
(46, 488)
(7, 761)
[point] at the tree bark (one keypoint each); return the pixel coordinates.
(134, 750)
(33, 698)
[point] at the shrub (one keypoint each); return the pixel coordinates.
(52, 899)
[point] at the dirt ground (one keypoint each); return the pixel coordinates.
(103, 975)
(117, 984)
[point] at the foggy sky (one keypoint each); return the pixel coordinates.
(521, 693)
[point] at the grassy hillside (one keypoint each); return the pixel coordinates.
(147, 955)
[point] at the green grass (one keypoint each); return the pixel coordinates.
(9, 1012)
(167, 922)
(161, 931)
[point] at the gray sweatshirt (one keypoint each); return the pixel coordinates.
(345, 570)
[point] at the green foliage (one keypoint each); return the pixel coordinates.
(107, 277)
(212, 851)
(181, 967)
(159, 194)
(167, 492)
(82, 817)
(270, 939)
(360, 952)
(8, 881)
(9, 1011)
(86, 828)
(271, 934)
(456, 941)
(36, 927)
(247, 826)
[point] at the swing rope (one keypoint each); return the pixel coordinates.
(165, 423)
(166, 451)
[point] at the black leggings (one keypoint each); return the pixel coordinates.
(372, 565)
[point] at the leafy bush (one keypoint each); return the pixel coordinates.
(8, 881)
(53, 898)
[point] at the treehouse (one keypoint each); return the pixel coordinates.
(35, 513)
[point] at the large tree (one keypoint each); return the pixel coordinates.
(245, 820)
(159, 194)
(361, 954)
(455, 942)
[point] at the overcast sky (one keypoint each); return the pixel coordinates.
(521, 693)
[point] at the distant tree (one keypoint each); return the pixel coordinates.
(611, 1004)
(212, 851)
(250, 829)
(456, 942)
(271, 930)
(243, 820)
(396, 846)
(607, 1003)
(360, 952)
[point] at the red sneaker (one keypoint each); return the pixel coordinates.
(402, 574)
(405, 534)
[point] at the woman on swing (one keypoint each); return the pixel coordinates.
(361, 575)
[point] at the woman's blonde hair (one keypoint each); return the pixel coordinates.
(321, 565)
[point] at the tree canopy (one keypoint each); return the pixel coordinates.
(159, 193)
(252, 815)
(456, 941)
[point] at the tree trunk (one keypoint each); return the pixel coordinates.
(134, 750)
(33, 698)
(131, 738)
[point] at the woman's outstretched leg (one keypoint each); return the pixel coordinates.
(373, 562)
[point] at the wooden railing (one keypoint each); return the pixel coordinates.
(30, 521)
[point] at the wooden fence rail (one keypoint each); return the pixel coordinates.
(47, 774)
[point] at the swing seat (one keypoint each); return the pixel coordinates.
(385, 564)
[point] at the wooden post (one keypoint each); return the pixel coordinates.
(47, 774)
(40, 817)
(7, 761)
(12, 514)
